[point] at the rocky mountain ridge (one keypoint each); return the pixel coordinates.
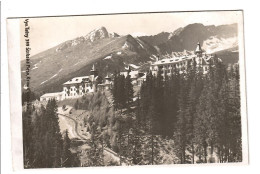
(110, 52)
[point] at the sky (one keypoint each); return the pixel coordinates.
(47, 32)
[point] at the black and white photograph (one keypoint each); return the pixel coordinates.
(133, 89)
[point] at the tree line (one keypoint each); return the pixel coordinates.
(122, 91)
(199, 111)
(43, 144)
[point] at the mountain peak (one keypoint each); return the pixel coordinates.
(97, 34)
(113, 34)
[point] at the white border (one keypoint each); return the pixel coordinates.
(14, 76)
(243, 101)
(13, 33)
(251, 12)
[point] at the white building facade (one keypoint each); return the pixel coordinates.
(169, 65)
(57, 96)
(137, 77)
(78, 86)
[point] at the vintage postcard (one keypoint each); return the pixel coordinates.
(162, 88)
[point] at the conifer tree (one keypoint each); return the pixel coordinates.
(129, 91)
(66, 158)
(121, 92)
(115, 90)
(28, 138)
(95, 153)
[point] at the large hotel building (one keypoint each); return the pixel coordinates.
(168, 65)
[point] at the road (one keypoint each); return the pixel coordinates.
(75, 127)
(65, 114)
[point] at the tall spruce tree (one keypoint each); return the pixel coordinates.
(95, 153)
(129, 91)
(66, 158)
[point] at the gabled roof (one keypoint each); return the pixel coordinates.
(143, 77)
(107, 77)
(76, 80)
(173, 60)
(55, 94)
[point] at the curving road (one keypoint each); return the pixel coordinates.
(75, 127)
(109, 152)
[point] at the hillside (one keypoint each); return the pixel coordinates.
(74, 58)
(187, 37)
(110, 52)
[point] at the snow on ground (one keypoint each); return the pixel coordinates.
(135, 98)
(153, 57)
(43, 82)
(76, 64)
(134, 66)
(125, 45)
(35, 66)
(55, 74)
(214, 44)
(108, 57)
(140, 43)
(75, 42)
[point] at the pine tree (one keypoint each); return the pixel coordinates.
(121, 92)
(136, 142)
(152, 144)
(129, 91)
(95, 153)
(76, 105)
(115, 90)
(27, 138)
(66, 158)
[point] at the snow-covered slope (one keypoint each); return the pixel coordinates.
(110, 52)
(215, 44)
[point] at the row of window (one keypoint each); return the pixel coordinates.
(73, 94)
(176, 65)
(71, 89)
